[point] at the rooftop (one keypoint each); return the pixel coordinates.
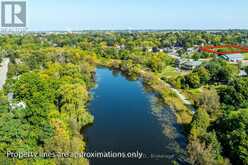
(237, 55)
(234, 56)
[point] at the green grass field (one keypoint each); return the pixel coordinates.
(192, 94)
(246, 56)
(170, 72)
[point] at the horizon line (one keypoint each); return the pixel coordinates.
(152, 29)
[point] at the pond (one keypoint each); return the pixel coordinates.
(128, 118)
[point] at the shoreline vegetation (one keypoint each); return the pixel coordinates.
(183, 112)
(49, 103)
(70, 126)
(43, 102)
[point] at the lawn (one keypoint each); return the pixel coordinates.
(170, 72)
(246, 56)
(192, 94)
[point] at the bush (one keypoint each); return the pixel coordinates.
(233, 133)
(236, 93)
(209, 101)
(192, 80)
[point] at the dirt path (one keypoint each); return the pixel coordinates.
(182, 97)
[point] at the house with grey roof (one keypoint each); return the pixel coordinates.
(187, 64)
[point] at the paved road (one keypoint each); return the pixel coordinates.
(3, 71)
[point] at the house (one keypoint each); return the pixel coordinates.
(148, 49)
(233, 57)
(19, 105)
(187, 64)
(155, 49)
(190, 65)
(190, 50)
(167, 49)
(242, 73)
(172, 50)
(15, 105)
(10, 96)
(179, 62)
(120, 47)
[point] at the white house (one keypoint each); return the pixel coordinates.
(15, 105)
(18, 105)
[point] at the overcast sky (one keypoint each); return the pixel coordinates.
(136, 14)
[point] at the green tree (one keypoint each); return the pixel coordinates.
(200, 123)
(246, 70)
(3, 102)
(203, 74)
(199, 153)
(192, 80)
(209, 100)
(233, 133)
(236, 93)
(221, 71)
(73, 99)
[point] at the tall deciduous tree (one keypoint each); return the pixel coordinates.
(210, 101)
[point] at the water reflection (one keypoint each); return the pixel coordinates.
(129, 117)
(171, 130)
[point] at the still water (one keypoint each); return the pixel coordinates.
(129, 119)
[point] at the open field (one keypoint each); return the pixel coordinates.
(246, 56)
(192, 94)
(170, 72)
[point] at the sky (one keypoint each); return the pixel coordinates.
(48, 15)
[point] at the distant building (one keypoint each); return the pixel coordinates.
(15, 106)
(233, 57)
(242, 73)
(10, 96)
(155, 49)
(190, 65)
(168, 49)
(179, 62)
(190, 50)
(120, 47)
(187, 64)
(148, 49)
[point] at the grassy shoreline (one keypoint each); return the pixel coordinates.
(182, 111)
